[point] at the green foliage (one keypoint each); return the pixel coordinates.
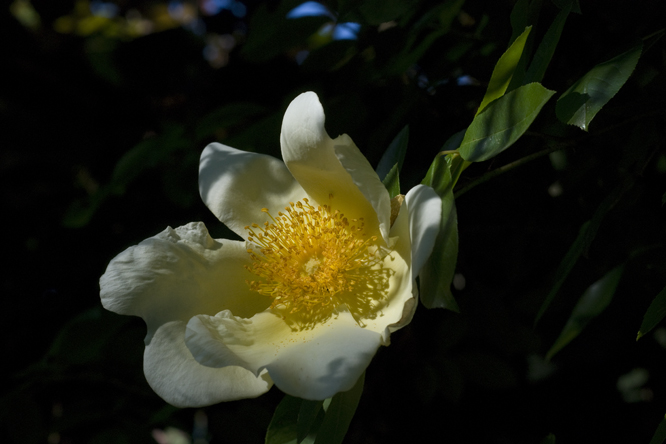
(392, 181)
(590, 305)
(546, 48)
(585, 98)
(394, 154)
(298, 421)
(504, 69)
(660, 434)
(437, 273)
(503, 122)
(586, 235)
(654, 314)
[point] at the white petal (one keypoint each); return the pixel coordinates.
(236, 185)
(397, 309)
(178, 274)
(311, 364)
(313, 159)
(425, 213)
(181, 381)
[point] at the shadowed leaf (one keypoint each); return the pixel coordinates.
(590, 305)
(585, 98)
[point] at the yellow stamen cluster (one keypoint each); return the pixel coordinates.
(309, 256)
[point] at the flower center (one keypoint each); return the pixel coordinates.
(309, 258)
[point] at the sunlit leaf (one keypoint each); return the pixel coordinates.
(503, 71)
(503, 121)
(590, 305)
(546, 48)
(282, 428)
(339, 414)
(437, 273)
(394, 154)
(654, 314)
(585, 98)
(660, 434)
(392, 181)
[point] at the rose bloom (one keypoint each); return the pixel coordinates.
(325, 273)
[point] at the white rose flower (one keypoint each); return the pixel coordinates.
(323, 277)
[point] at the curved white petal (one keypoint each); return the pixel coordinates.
(236, 185)
(397, 309)
(366, 179)
(425, 213)
(325, 167)
(180, 380)
(311, 363)
(178, 274)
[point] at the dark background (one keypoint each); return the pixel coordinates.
(104, 113)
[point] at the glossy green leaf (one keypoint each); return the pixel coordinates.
(503, 71)
(585, 98)
(339, 414)
(437, 273)
(660, 434)
(654, 314)
(547, 47)
(283, 427)
(394, 154)
(590, 305)
(392, 181)
(503, 121)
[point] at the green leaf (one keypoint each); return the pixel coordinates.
(503, 121)
(339, 414)
(503, 71)
(585, 98)
(392, 181)
(660, 434)
(307, 416)
(518, 19)
(394, 154)
(522, 18)
(438, 271)
(283, 427)
(586, 235)
(547, 47)
(590, 305)
(654, 314)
